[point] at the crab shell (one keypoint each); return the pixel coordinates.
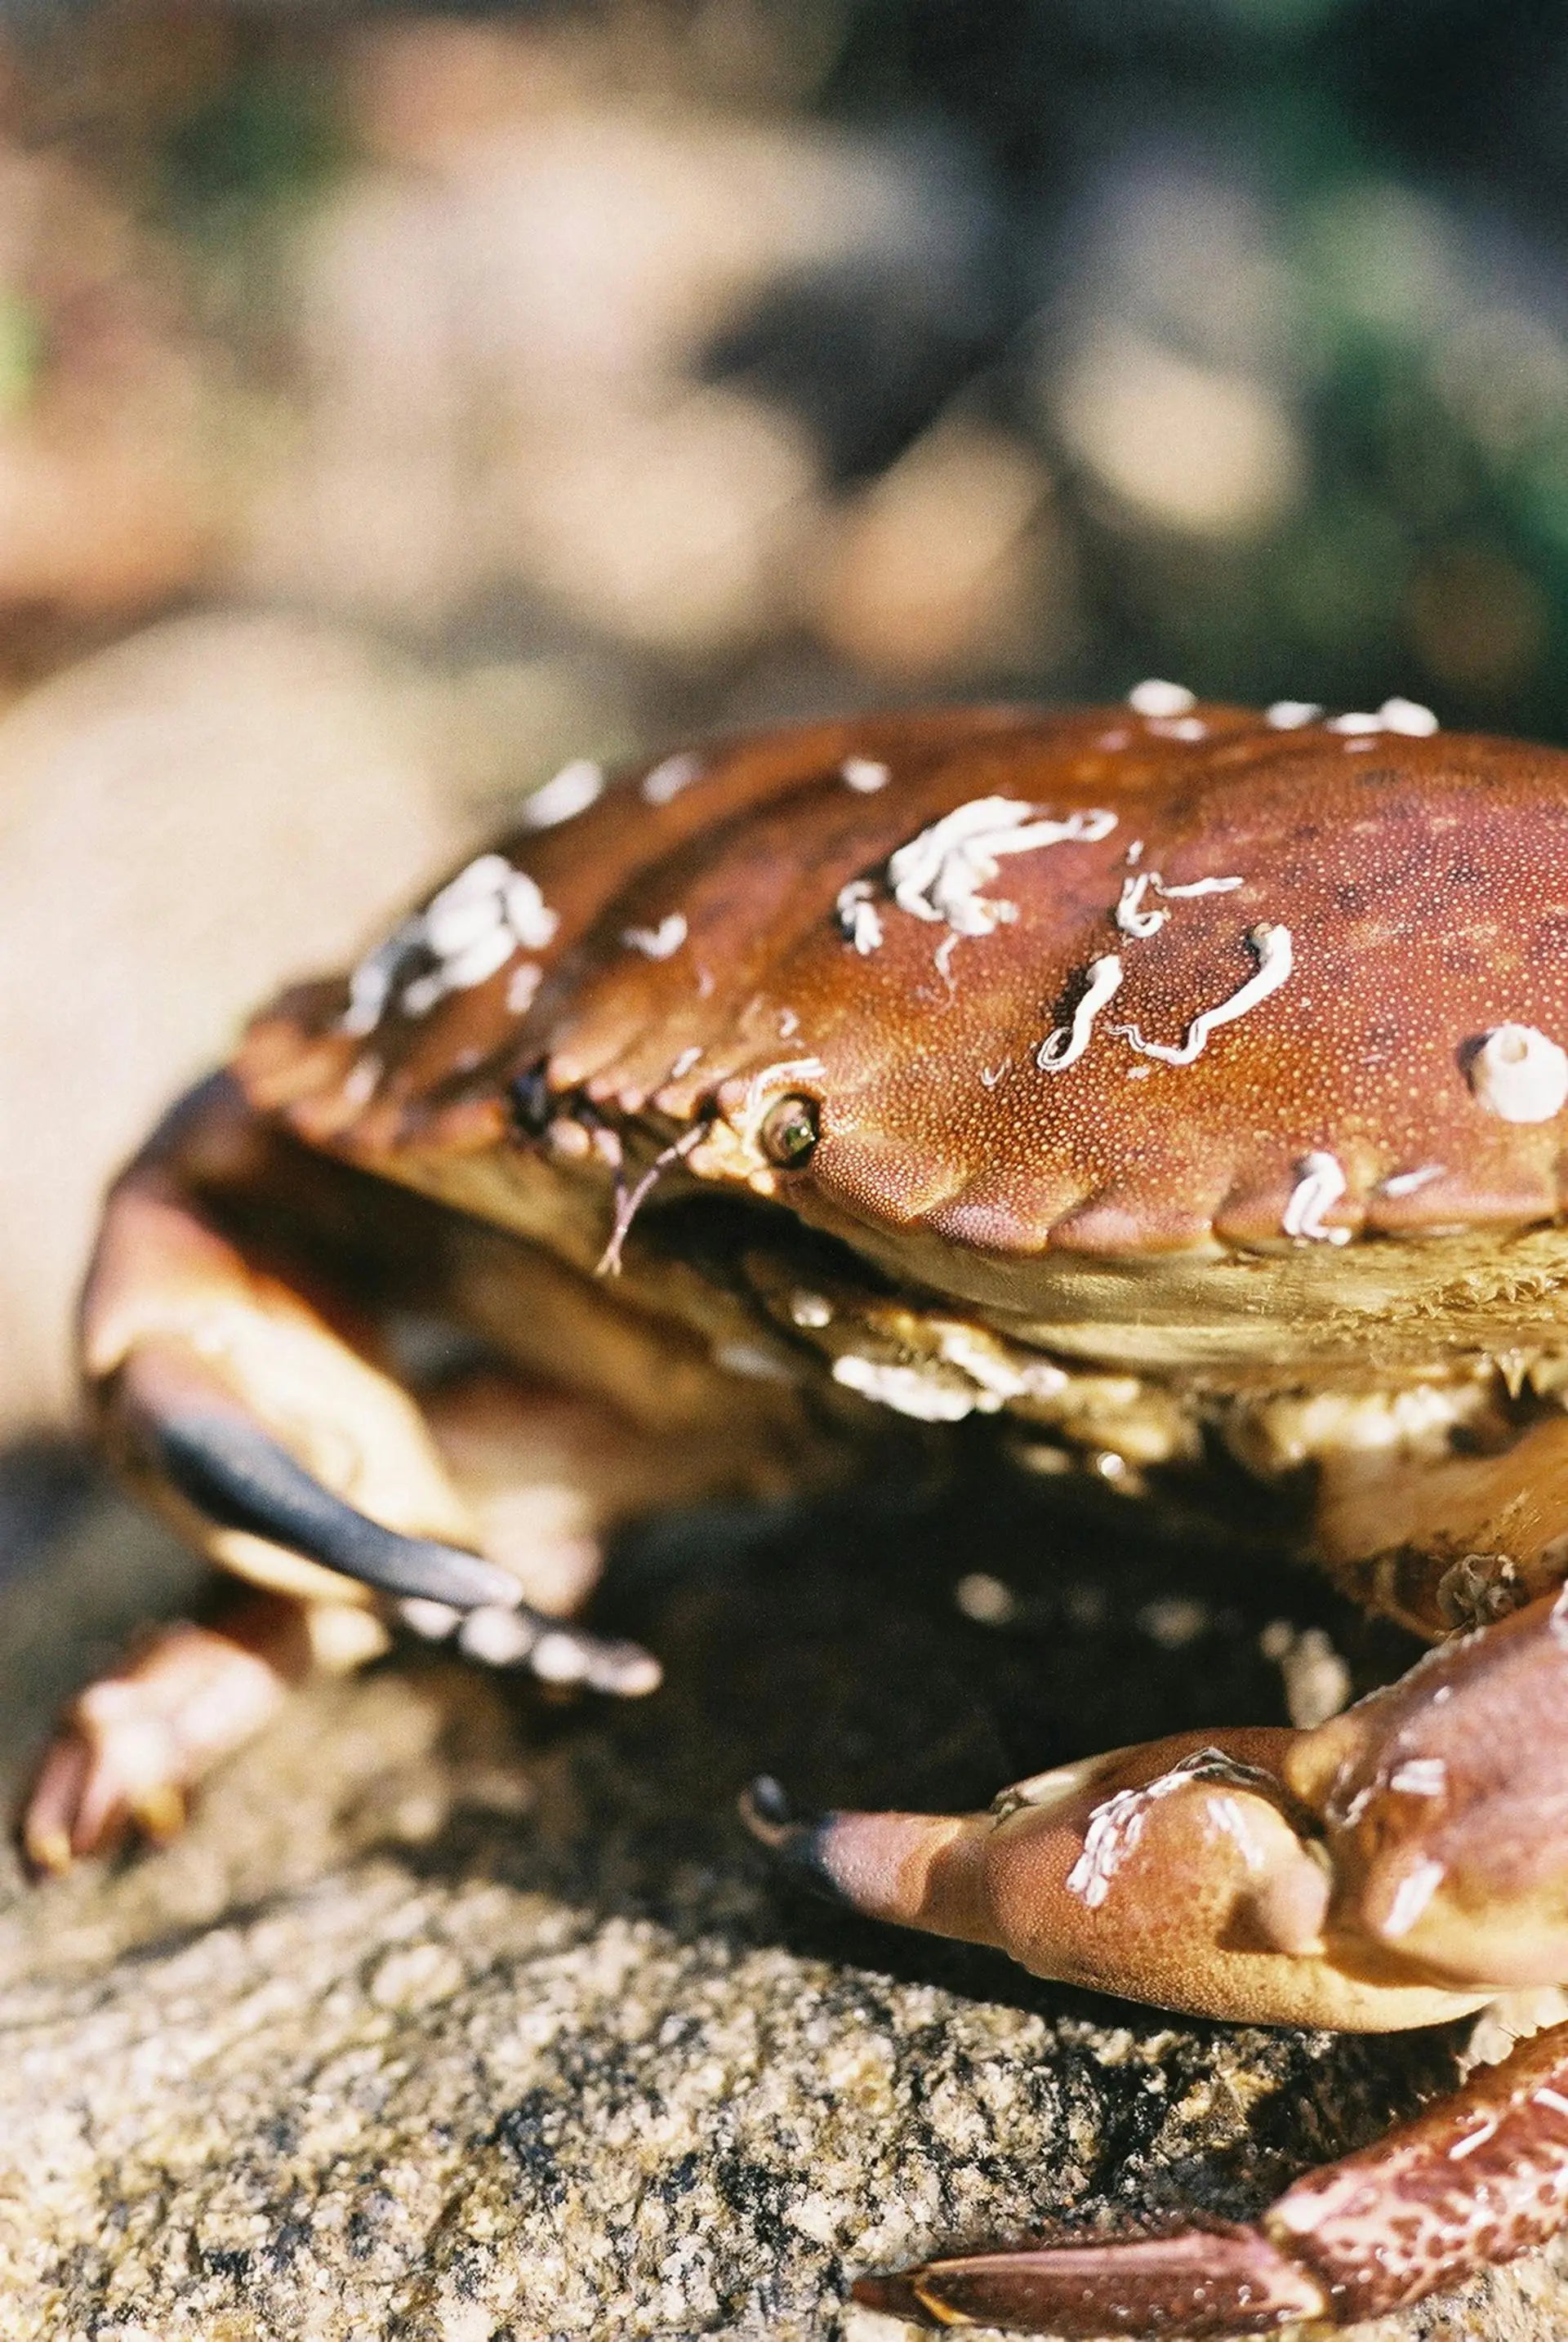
(1364, 1163)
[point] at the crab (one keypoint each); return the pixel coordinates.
(1166, 1087)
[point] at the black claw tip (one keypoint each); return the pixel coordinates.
(764, 1798)
(238, 1476)
(797, 1847)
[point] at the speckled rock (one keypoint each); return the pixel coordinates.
(461, 2017)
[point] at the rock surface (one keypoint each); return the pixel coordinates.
(457, 2017)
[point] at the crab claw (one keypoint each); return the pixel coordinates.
(1404, 1862)
(1184, 1873)
(1398, 1865)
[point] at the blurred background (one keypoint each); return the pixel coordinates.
(397, 402)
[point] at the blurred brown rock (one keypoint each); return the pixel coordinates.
(497, 332)
(1200, 450)
(185, 821)
(111, 467)
(679, 530)
(952, 563)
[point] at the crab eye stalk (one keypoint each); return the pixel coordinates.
(789, 1133)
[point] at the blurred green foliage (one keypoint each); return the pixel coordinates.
(267, 135)
(1408, 158)
(1339, 222)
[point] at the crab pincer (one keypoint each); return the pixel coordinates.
(1400, 1863)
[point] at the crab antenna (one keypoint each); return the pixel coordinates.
(629, 1201)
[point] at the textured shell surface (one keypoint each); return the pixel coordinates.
(1136, 994)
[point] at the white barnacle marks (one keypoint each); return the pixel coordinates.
(521, 986)
(1135, 920)
(665, 782)
(1519, 1074)
(477, 922)
(938, 875)
(1066, 1044)
(573, 789)
(1291, 714)
(1411, 1183)
(370, 984)
(1396, 715)
(1320, 1183)
(662, 942)
(1272, 943)
(1131, 916)
(1167, 709)
(1115, 1828)
(859, 920)
(473, 926)
(1156, 697)
(1135, 915)
(527, 914)
(1406, 716)
(1194, 888)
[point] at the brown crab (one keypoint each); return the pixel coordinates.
(1166, 1081)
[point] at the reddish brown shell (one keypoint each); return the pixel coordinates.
(1424, 884)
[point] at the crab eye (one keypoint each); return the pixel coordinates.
(790, 1131)
(531, 1103)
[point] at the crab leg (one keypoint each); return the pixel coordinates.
(259, 1423)
(185, 1421)
(1480, 2177)
(135, 1740)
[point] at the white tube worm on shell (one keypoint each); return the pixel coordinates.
(1276, 955)
(1064, 1045)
